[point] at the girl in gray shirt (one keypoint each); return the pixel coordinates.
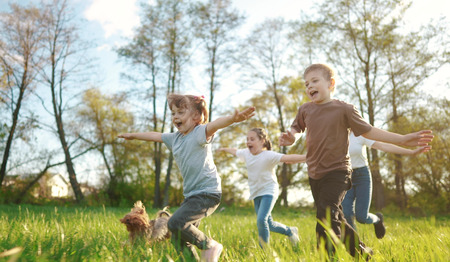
(191, 148)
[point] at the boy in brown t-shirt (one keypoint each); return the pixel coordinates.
(328, 122)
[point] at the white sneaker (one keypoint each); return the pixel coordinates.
(294, 237)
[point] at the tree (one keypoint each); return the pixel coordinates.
(354, 35)
(426, 179)
(20, 50)
(103, 118)
(146, 52)
(215, 21)
(63, 49)
(410, 62)
(161, 47)
(264, 55)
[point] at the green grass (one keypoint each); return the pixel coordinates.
(45, 233)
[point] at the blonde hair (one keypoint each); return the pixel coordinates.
(262, 135)
(194, 103)
(327, 71)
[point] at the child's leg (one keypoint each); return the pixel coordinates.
(363, 194)
(275, 226)
(184, 222)
(328, 193)
(265, 223)
(348, 205)
(262, 209)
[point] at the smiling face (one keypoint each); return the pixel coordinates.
(254, 143)
(184, 119)
(318, 88)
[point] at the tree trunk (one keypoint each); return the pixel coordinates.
(167, 185)
(68, 159)
(15, 120)
(9, 142)
(378, 188)
(400, 191)
(284, 185)
(157, 162)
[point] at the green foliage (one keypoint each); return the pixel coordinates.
(429, 173)
(49, 233)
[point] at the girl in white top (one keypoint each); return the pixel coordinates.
(357, 200)
(262, 181)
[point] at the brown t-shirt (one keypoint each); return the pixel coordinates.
(328, 127)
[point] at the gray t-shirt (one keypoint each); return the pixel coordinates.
(193, 155)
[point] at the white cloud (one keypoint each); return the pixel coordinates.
(115, 16)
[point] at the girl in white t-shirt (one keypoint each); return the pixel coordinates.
(262, 181)
(357, 200)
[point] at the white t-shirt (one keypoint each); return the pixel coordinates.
(260, 168)
(357, 151)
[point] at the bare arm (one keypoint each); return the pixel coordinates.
(228, 150)
(293, 158)
(287, 138)
(147, 136)
(390, 148)
(222, 122)
(420, 138)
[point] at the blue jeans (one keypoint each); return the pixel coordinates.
(263, 207)
(356, 202)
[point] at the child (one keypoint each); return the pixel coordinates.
(356, 202)
(262, 181)
(191, 148)
(328, 122)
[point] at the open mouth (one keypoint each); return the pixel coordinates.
(313, 93)
(178, 124)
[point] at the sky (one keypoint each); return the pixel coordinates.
(112, 22)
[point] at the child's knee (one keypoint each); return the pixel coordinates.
(262, 222)
(173, 224)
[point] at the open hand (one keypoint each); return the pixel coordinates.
(127, 136)
(286, 139)
(421, 138)
(243, 115)
(422, 149)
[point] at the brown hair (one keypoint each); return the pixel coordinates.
(327, 71)
(194, 103)
(262, 135)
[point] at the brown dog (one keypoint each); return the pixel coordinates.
(139, 225)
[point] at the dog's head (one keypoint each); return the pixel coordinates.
(137, 219)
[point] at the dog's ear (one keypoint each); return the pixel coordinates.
(139, 204)
(139, 207)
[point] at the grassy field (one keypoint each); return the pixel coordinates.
(45, 233)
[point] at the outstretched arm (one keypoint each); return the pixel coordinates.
(293, 159)
(228, 150)
(287, 138)
(390, 148)
(147, 136)
(420, 138)
(222, 122)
